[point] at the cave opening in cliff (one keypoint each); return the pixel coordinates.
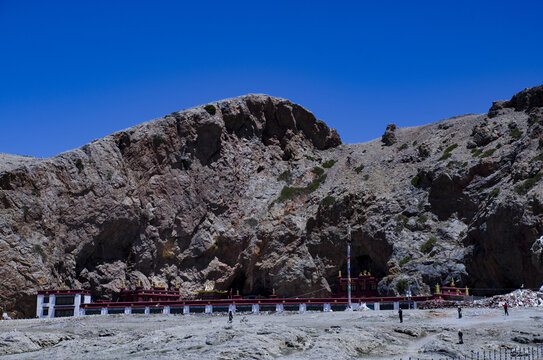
(238, 283)
(366, 263)
(112, 244)
(362, 263)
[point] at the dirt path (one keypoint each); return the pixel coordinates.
(425, 334)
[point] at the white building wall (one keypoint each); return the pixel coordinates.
(39, 307)
(52, 299)
(77, 304)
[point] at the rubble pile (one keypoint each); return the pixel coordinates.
(517, 298)
(440, 304)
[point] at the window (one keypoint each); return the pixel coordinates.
(64, 300)
(45, 312)
(353, 287)
(363, 286)
(64, 312)
(46, 299)
(343, 287)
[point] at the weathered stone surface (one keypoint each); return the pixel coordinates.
(483, 134)
(242, 196)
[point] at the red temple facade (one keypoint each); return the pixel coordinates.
(155, 293)
(361, 286)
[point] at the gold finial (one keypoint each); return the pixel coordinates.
(177, 284)
(124, 284)
(452, 282)
(237, 292)
(273, 291)
(339, 273)
(437, 289)
(64, 284)
(139, 282)
(161, 284)
(467, 291)
(360, 274)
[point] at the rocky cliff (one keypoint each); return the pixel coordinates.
(255, 193)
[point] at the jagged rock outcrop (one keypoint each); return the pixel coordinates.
(256, 194)
(389, 137)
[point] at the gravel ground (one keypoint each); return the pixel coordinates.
(424, 334)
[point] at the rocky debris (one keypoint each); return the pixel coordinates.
(517, 298)
(256, 194)
(442, 304)
(389, 137)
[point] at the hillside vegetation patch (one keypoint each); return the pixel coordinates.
(211, 110)
(289, 192)
(529, 183)
(428, 245)
(488, 153)
(476, 152)
(317, 170)
(515, 133)
(359, 169)
(447, 152)
(328, 201)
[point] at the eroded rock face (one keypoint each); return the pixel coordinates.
(256, 194)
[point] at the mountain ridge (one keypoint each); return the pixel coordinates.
(256, 193)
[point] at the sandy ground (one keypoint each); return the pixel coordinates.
(424, 334)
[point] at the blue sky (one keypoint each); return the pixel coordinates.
(73, 71)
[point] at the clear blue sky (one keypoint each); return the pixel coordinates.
(73, 71)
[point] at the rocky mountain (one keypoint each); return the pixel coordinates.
(255, 193)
